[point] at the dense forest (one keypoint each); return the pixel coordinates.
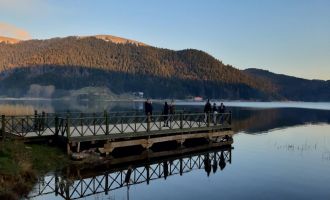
(63, 64)
(293, 88)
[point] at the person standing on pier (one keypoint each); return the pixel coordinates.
(148, 107)
(222, 110)
(172, 111)
(166, 110)
(207, 109)
(215, 112)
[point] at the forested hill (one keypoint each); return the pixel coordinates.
(76, 62)
(124, 66)
(293, 88)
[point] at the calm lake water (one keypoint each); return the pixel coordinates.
(279, 151)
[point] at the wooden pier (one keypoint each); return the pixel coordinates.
(113, 130)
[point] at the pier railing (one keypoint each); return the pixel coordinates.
(107, 123)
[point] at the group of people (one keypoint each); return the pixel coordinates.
(213, 109)
(168, 109)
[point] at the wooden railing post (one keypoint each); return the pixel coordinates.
(43, 117)
(106, 122)
(3, 126)
(230, 118)
(94, 123)
(68, 134)
(181, 120)
(35, 120)
(56, 125)
(148, 122)
(81, 123)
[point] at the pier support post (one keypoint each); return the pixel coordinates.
(106, 183)
(148, 174)
(56, 184)
(78, 147)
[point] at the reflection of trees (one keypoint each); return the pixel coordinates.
(27, 107)
(24, 109)
(263, 120)
(254, 120)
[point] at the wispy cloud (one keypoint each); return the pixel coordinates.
(13, 31)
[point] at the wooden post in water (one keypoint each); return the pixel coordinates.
(106, 183)
(148, 174)
(56, 184)
(181, 167)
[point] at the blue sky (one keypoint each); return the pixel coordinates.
(283, 36)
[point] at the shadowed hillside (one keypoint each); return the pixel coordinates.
(124, 67)
(293, 88)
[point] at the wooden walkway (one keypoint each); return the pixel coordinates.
(116, 129)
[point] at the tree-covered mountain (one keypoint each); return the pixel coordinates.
(62, 64)
(293, 88)
(75, 62)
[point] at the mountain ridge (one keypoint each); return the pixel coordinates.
(126, 65)
(9, 40)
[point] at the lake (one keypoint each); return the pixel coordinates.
(279, 151)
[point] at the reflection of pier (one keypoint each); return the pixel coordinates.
(118, 173)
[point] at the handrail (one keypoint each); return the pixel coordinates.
(105, 124)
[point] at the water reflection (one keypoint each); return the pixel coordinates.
(27, 107)
(257, 121)
(77, 183)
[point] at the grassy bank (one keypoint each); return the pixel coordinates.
(21, 164)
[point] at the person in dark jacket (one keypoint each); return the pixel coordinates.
(148, 107)
(207, 109)
(166, 110)
(222, 110)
